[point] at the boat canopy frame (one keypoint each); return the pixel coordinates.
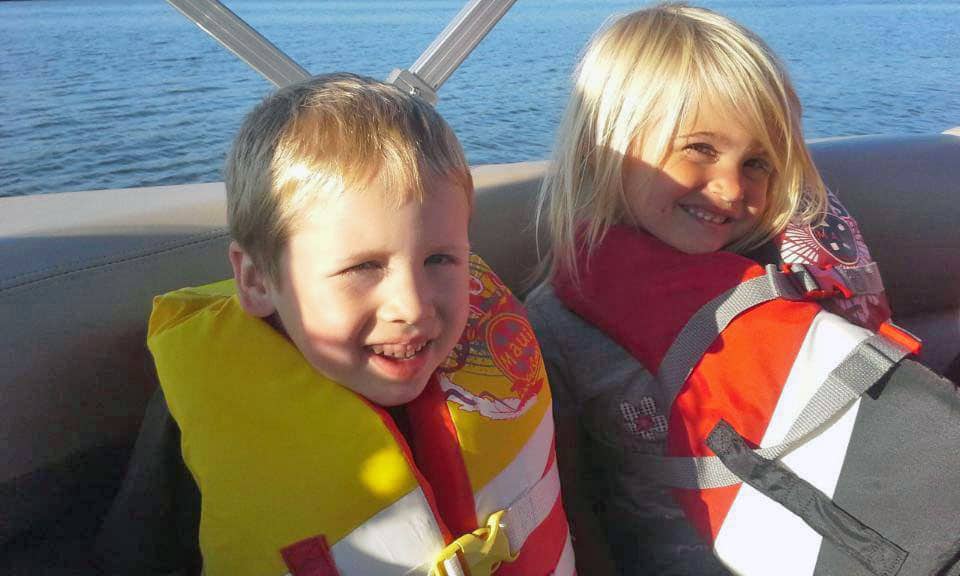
(424, 78)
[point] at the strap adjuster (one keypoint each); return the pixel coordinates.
(899, 336)
(481, 551)
(818, 283)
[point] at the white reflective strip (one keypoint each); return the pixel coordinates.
(397, 540)
(452, 567)
(532, 508)
(758, 535)
(525, 470)
(567, 565)
(829, 340)
(524, 515)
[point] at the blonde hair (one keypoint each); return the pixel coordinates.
(641, 77)
(329, 135)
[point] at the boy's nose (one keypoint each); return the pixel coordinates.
(408, 299)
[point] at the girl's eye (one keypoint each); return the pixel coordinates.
(759, 166)
(701, 150)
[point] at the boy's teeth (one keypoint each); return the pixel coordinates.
(704, 215)
(400, 351)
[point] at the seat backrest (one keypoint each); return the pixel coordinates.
(905, 193)
(78, 272)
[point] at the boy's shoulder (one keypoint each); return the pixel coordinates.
(178, 306)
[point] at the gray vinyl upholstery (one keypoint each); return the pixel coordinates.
(905, 193)
(78, 271)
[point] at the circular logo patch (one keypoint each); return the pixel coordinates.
(514, 349)
(836, 237)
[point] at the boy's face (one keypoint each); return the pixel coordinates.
(376, 296)
(712, 189)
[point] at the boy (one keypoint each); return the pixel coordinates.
(334, 400)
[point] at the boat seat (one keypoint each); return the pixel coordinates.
(78, 272)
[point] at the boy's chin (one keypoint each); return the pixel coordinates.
(397, 394)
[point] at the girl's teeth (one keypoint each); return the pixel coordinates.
(704, 215)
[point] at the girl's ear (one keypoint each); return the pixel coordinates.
(253, 290)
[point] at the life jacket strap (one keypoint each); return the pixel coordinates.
(481, 552)
(782, 485)
(794, 282)
(699, 333)
(866, 364)
(818, 283)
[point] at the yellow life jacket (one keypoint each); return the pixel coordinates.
(290, 464)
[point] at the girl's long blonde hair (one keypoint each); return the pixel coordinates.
(641, 77)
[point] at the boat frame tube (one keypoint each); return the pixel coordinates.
(441, 58)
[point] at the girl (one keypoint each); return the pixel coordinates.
(680, 148)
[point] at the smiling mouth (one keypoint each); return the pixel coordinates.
(705, 215)
(399, 351)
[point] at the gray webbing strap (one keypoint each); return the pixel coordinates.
(709, 321)
(713, 318)
(862, 368)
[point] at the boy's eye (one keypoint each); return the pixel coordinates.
(367, 266)
(440, 259)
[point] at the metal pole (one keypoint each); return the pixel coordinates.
(240, 38)
(450, 48)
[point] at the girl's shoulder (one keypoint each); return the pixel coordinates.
(591, 362)
(552, 321)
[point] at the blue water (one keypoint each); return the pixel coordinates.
(116, 94)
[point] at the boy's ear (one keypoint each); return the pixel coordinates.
(252, 288)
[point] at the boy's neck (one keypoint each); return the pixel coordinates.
(402, 421)
(274, 321)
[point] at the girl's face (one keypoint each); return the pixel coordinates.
(711, 189)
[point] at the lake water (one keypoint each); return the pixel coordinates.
(115, 94)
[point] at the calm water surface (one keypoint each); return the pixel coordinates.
(123, 94)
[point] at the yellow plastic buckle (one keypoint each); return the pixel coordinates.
(480, 552)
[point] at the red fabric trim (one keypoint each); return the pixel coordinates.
(641, 292)
(310, 557)
(551, 456)
(425, 486)
(543, 547)
(436, 447)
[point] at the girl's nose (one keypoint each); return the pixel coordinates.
(727, 185)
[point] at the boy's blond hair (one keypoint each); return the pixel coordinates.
(331, 134)
(640, 79)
